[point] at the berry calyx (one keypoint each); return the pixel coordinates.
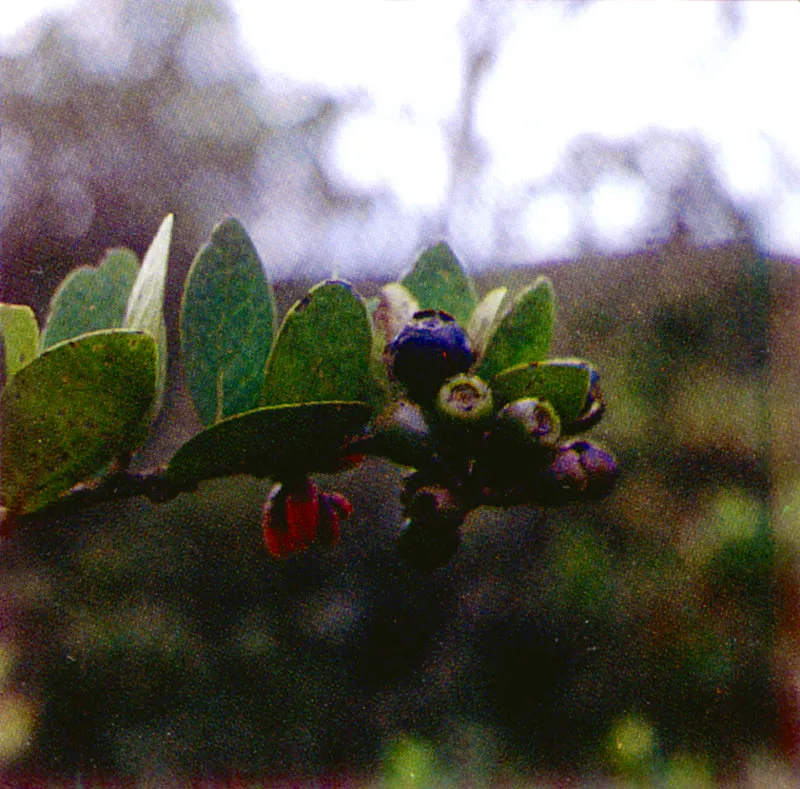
(431, 348)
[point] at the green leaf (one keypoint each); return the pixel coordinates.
(145, 308)
(91, 298)
(227, 324)
(564, 383)
(73, 409)
(322, 351)
(20, 333)
(438, 282)
(525, 332)
(485, 317)
(269, 442)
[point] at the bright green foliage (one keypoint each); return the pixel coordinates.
(73, 409)
(525, 332)
(91, 298)
(438, 282)
(485, 317)
(145, 307)
(227, 324)
(564, 384)
(20, 333)
(269, 441)
(322, 351)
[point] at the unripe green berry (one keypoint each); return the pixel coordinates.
(401, 434)
(465, 400)
(528, 425)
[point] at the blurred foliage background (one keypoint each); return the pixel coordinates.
(650, 637)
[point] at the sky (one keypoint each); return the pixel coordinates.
(563, 71)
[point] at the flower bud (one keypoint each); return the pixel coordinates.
(431, 348)
(296, 514)
(290, 517)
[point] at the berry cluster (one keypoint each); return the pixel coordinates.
(467, 451)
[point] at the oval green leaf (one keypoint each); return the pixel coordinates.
(322, 351)
(269, 442)
(91, 298)
(564, 383)
(525, 332)
(20, 333)
(227, 324)
(438, 281)
(73, 409)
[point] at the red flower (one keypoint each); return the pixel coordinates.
(296, 513)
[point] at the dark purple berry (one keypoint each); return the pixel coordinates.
(599, 466)
(427, 351)
(424, 547)
(580, 471)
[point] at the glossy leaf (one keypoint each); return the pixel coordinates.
(227, 324)
(73, 409)
(322, 351)
(485, 317)
(269, 442)
(91, 298)
(438, 282)
(145, 308)
(525, 332)
(564, 383)
(20, 333)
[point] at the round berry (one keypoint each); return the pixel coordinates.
(528, 425)
(599, 466)
(580, 471)
(465, 400)
(427, 351)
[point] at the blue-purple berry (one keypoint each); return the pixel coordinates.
(431, 348)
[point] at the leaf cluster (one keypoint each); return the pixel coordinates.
(277, 398)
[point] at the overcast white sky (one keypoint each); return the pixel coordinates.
(658, 65)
